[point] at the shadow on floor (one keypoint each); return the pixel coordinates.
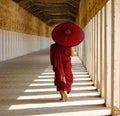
(27, 89)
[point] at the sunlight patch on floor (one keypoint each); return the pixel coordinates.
(83, 94)
(84, 88)
(43, 80)
(52, 84)
(52, 79)
(53, 89)
(82, 79)
(41, 84)
(83, 83)
(40, 90)
(93, 112)
(78, 75)
(45, 76)
(48, 73)
(57, 104)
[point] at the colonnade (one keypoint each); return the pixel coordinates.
(14, 44)
(100, 53)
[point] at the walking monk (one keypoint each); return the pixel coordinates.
(65, 36)
(60, 57)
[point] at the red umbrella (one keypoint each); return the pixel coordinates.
(67, 34)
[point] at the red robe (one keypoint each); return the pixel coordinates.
(61, 62)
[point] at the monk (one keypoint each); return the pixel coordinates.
(60, 58)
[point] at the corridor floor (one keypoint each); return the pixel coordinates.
(27, 89)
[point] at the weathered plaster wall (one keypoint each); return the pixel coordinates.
(15, 18)
(20, 32)
(88, 9)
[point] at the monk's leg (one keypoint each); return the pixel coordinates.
(60, 83)
(68, 76)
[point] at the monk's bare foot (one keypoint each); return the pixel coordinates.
(65, 97)
(61, 93)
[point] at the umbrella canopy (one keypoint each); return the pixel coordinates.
(67, 34)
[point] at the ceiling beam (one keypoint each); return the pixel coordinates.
(52, 11)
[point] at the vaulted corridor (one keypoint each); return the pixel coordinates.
(26, 76)
(27, 89)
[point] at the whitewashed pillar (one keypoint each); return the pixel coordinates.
(104, 54)
(96, 51)
(10, 44)
(3, 45)
(7, 44)
(91, 44)
(108, 38)
(93, 50)
(0, 45)
(116, 56)
(99, 64)
(14, 44)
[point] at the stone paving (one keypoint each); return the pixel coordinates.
(27, 89)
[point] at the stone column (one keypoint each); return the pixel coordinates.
(0, 45)
(116, 55)
(109, 55)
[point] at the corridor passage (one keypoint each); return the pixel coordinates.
(27, 89)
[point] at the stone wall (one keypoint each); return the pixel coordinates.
(15, 18)
(88, 9)
(20, 32)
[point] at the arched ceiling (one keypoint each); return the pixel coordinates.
(52, 11)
